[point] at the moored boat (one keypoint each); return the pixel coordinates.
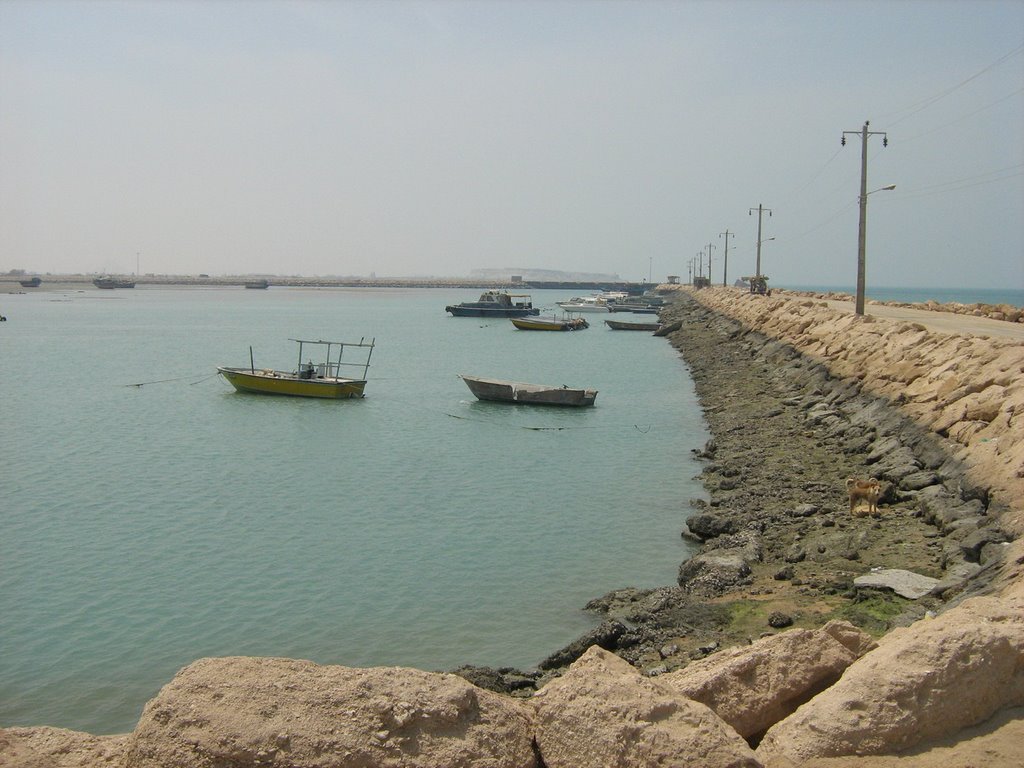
(257, 284)
(585, 304)
(495, 304)
(323, 380)
(619, 325)
(642, 309)
(643, 304)
(31, 283)
(550, 323)
(498, 390)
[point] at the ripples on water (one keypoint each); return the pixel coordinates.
(145, 527)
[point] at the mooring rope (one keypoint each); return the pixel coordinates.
(165, 381)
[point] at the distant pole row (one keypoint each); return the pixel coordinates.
(696, 266)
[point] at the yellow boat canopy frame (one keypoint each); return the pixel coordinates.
(331, 369)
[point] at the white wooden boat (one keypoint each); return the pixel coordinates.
(584, 304)
(529, 394)
(619, 325)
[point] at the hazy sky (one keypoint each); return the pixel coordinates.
(436, 137)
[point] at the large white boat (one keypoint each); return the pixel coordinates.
(585, 304)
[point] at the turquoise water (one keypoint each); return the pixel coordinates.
(1013, 296)
(147, 526)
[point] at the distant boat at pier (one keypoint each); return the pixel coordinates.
(108, 282)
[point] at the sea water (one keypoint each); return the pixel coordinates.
(150, 515)
(1012, 295)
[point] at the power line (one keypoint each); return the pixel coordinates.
(925, 103)
(976, 181)
(963, 117)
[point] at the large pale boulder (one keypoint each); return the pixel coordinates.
(922, 682)
(59, 748)
(755, 686)
(603, 714)
(220, 713)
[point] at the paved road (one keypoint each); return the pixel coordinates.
(944, 322)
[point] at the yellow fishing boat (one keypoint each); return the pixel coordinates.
(550, 323)
(309, 379)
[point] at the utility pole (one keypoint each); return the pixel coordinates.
(862, 229)
(710, 246)
(689, 271)
(725, 269)
(760, 212)
(700, 263)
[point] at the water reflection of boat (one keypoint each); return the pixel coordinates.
(495, 304)
(528, 394)
(113, 282)
(322, 379)
(550, 323)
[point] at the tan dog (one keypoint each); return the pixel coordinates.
(863, 490)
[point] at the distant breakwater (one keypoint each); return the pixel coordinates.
(355, 282)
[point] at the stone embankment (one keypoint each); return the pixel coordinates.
(964, 393)
(798, 396)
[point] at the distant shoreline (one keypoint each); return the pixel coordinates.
(11, 284)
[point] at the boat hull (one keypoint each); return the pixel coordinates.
(617, 325)
(267, 382)
(538, 324)
(569, 306)
(638, 309)
(497, 390)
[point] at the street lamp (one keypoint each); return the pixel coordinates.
(862, 244)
